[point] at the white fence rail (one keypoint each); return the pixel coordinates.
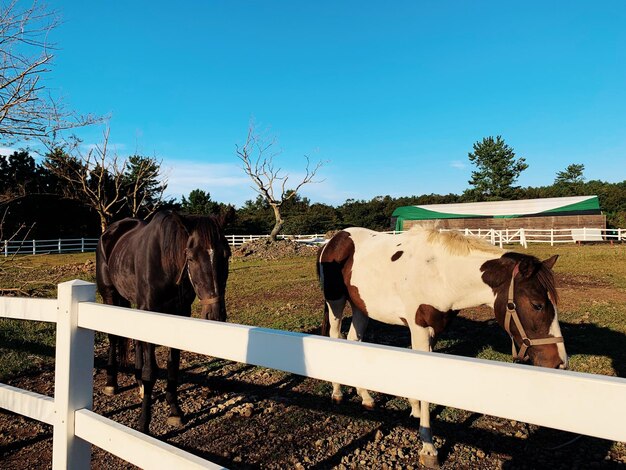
(522, 236)
(75, 245)
(40, 247)
(545, 397)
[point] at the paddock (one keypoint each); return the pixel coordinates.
(539, 396)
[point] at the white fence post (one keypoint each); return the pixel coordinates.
(59, 245)
(34, 247)
(73, 386)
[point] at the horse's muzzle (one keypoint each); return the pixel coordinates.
(213, 309)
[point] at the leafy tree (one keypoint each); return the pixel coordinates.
(497, 170)
(573, 174)
(199, 203)
(374, 214)
(18, 175)
(109, 185)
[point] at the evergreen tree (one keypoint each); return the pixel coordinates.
(143, 185)
(199, 203)
(573, 174)
(497, 170)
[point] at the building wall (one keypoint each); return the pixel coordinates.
(556, 222)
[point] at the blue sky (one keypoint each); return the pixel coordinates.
(391, 94)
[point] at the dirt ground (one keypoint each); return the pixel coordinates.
(246, 417)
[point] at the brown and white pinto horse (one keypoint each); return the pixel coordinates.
(421, 279)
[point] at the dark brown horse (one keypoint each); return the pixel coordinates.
(161, 266)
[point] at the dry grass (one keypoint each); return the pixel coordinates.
(285, 294)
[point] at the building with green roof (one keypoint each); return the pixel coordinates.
(546, 213)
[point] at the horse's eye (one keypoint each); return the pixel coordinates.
(537, 307)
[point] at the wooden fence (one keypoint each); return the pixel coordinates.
(576, 402)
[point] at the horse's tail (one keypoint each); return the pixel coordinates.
(318, 265)
(325, 330)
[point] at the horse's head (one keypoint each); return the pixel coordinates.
(207, 253)
(525, 306)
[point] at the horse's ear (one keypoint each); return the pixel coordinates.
(527, 267)
(496, 272)
(226, 216)
(550, 262)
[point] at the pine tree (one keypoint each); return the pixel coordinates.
(497, 170)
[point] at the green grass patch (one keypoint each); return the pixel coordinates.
(25, 346)
(285, 294)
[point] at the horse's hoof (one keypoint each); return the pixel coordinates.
(368, 406)
(175, 421)
(429, 461)
(109, 390)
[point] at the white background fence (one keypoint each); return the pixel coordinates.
(496, 237)
(74, 245)
(581, 403)
(39, 247)
(524, 236)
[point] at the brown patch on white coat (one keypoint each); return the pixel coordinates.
(424, 284)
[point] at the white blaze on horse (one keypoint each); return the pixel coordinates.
(421, 279)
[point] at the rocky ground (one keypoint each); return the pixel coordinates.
(246, 417)
(263, 248)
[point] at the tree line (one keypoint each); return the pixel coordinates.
(42, 199)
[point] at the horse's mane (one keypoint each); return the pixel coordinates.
(455, 242)
(545, 277)
(207, 228)
(177, 228)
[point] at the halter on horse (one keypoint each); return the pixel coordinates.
(145, 264)
(421, 279)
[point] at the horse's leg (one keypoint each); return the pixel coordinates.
(356, 333)
(148, 377)
(334, 318)
(139, 366)
(111, 384)
(112, 297)
(171, 390)
(422, 340)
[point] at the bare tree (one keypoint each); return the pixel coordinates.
(105, 182)
(94, 177)
(257, 156)
(27, 110)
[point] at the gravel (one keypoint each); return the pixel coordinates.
(245, 417)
